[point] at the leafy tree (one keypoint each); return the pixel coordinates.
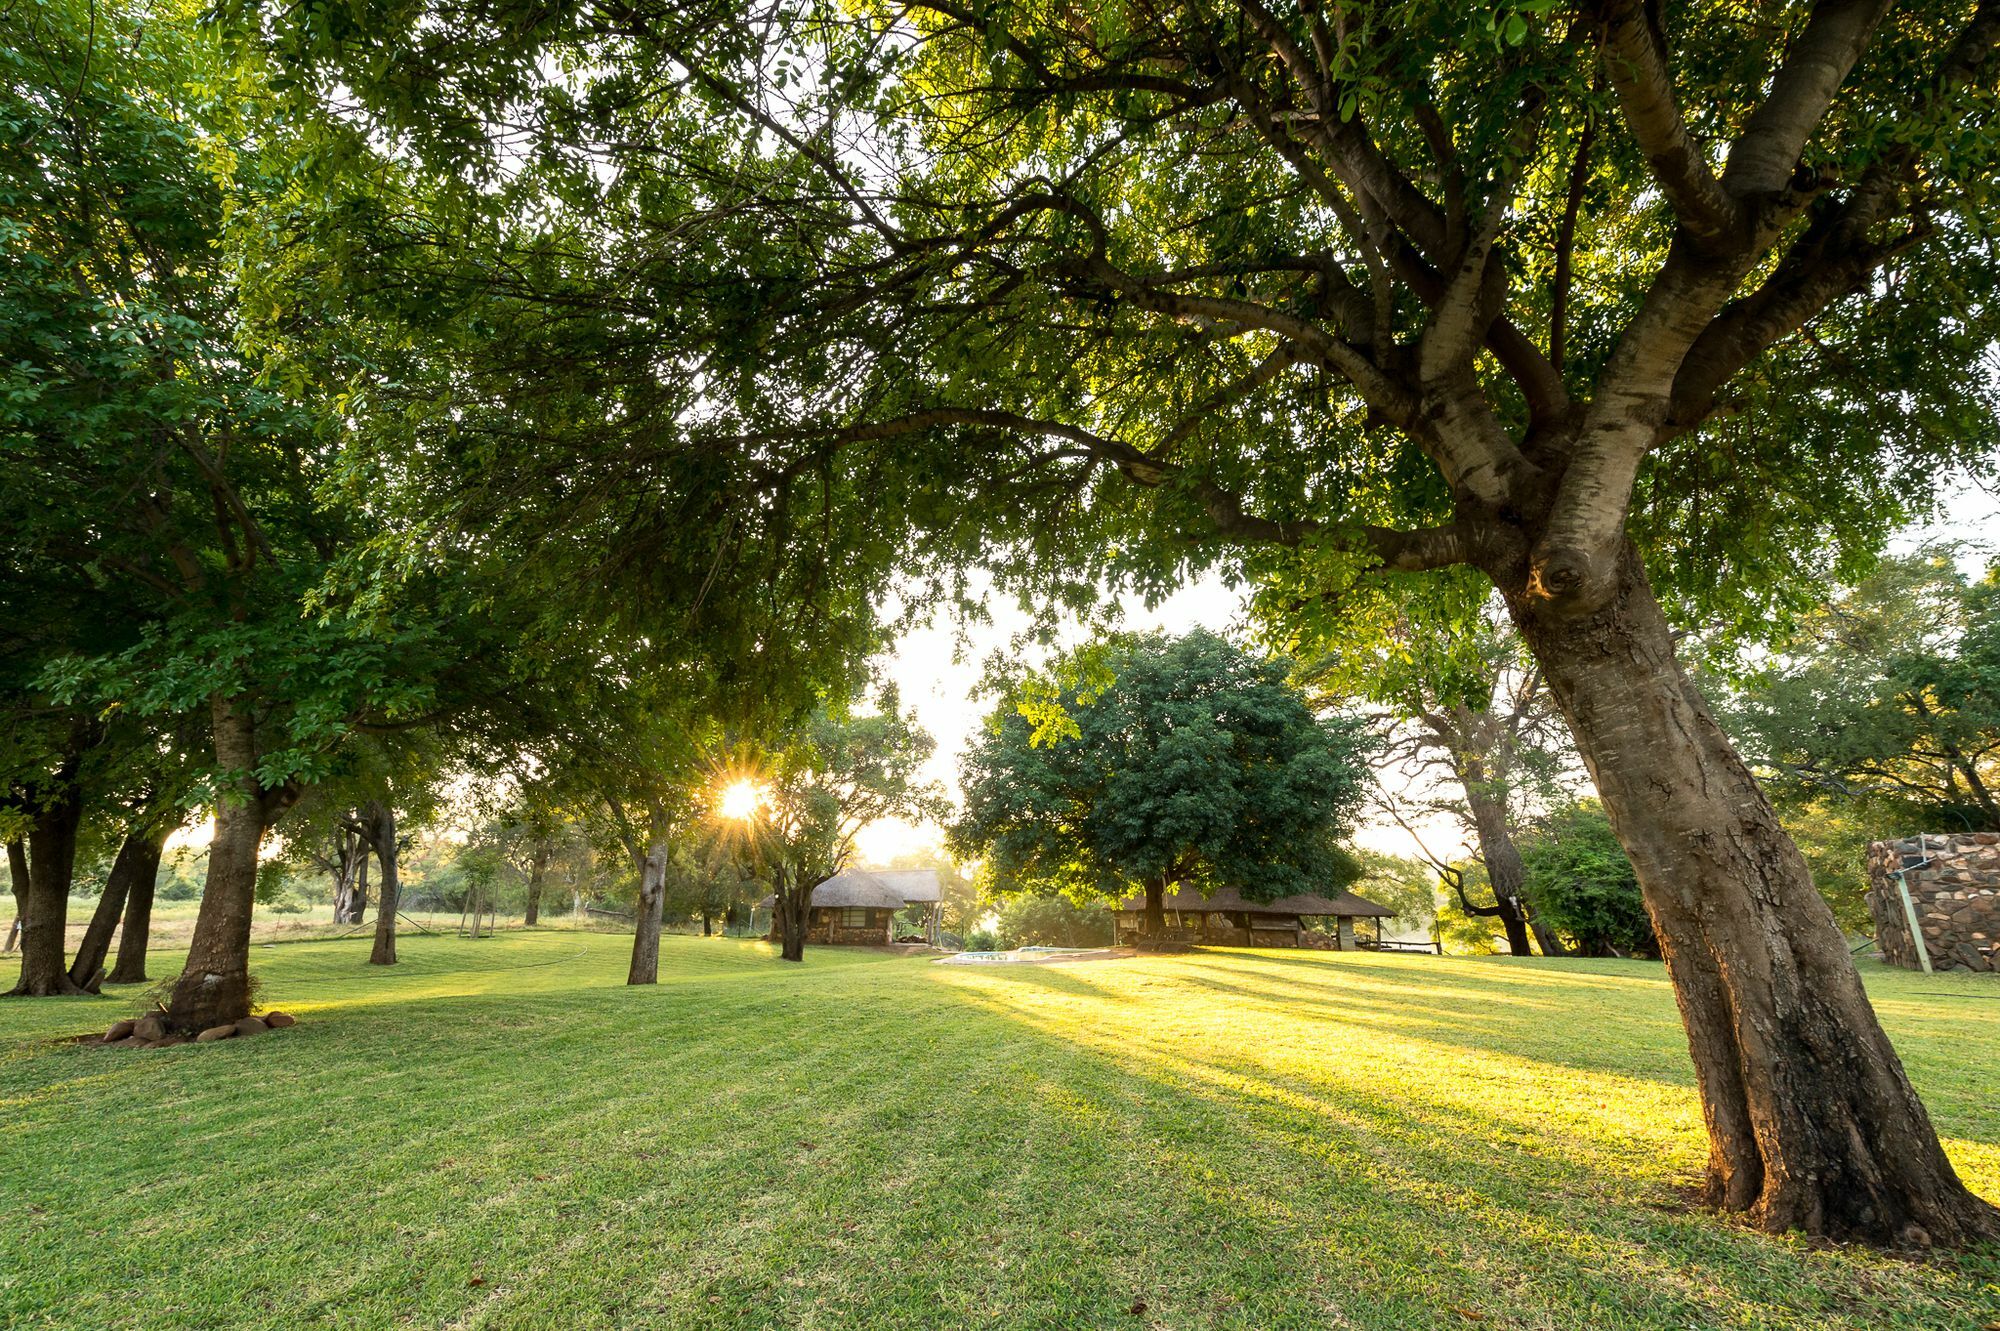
(837, 775)
(1465, 710)
(1401, 883)
(158, 772)
(1833, 834)
(167, 468)
(1462, 929)
(960, 902)
(1888, 696)
(533, 827)
(1153, 764)
(1027, 920)
(1581, 883)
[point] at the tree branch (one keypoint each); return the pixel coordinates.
(1766, 153)
(1635, 60)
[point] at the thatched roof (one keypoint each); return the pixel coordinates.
(1229, 899)
(890, 889)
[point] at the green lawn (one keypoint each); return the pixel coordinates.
(500, 1134)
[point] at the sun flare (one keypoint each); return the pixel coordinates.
(740, 800)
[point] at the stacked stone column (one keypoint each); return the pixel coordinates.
(1954, 884)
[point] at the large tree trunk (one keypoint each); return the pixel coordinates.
(537, 866)
(379, 820)
(1505, 871)
(138, 861)
(51, 868)
(351, 862)
(646, 924)
(1155, 922)
(214, 988)
(130, 967)
(1812, 1123)
(792, 907)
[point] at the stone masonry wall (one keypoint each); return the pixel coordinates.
(1956, 894)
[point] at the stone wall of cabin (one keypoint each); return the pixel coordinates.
(824, 926)
(1955, 887)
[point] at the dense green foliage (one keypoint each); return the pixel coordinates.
(1026, 920)
(1580, 883)
(1102, 286)
(1400, 883)
(1887, 698)
(1151, 761)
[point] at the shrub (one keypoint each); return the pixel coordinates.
(1581, 885)
(1029, 920)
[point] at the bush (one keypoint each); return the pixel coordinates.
(1029, 920)
(1580, 884)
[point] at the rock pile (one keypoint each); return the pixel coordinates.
(150, 1031)
(1954, 884)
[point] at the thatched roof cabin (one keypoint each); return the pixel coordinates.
(1227, 916)
(860, 906)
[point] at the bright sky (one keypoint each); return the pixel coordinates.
(937, 676)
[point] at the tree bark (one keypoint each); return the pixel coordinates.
(537, 866)
(357, 901)
(378, 831)
(351, 856)
(138, 861)
(1812, 1123)
(646, 923)
(51, 869)
(214, 988)
(1505, 871)
(792, 908)
(1155, 922)
(133, 939)
(17, 874)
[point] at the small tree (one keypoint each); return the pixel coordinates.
(1027, 920)
(839, 775)
(959, 900)
(1400, 883)
(1581, 884)
(1153, 763)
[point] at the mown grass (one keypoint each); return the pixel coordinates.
(501, 1134)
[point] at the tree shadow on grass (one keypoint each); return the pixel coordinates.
(895, 1147)
(1514, 1163)
(1637, 1033)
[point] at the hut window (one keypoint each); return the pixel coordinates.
(854, 917)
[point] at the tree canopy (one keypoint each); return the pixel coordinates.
(1150, 763)
(1889, 696)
